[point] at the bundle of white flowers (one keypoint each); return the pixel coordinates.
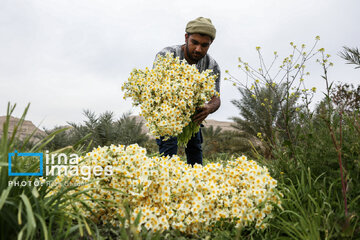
(171, 194)
(169, 94)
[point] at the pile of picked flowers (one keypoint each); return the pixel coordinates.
(169, 194)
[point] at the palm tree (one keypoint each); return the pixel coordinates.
(130, 131)
(269, 115)
(61, 139)
(98, 127)
(106, 131)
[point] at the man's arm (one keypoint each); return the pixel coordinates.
(208, 108)
(214, 103)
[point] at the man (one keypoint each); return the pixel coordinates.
(200, 33)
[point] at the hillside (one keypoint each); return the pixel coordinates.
(26, 129)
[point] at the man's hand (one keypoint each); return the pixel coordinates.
(203, 113)
(208, 108)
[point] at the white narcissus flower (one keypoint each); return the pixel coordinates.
(170, 194)
(175, 84)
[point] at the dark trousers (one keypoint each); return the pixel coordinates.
(193, 149)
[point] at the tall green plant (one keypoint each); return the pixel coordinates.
(311, 209)
(29, 212)
(342, 113)
(273, 98)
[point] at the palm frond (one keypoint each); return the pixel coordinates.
(352, 55)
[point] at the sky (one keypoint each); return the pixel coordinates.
(66, 56)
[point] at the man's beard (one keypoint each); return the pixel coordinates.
(189, 55)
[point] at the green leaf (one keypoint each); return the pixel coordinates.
(31, 223)
(86, 225)
(4, 196)
(35, 192)
(19, 213)
(21, 233)
(43, 225)
(80, 227)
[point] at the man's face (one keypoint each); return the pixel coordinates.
(197, 46)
